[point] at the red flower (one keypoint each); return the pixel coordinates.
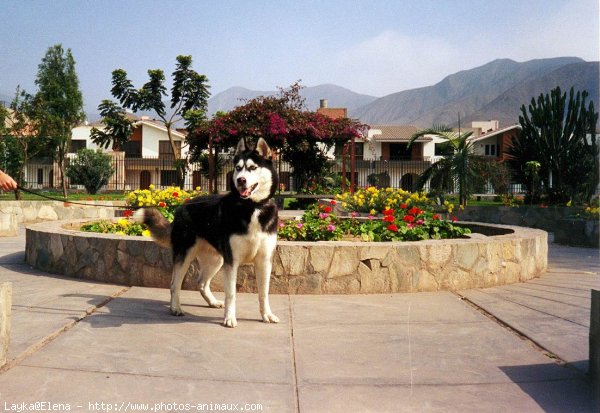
(327, 209)
(388, 212)
(127, 213)
(414, 211)
(332, 202)
(436, 216)
(403, 206)
(408, 218)
(161, 204)
(388, 218)
(454, 219)
(175, 194)
(392, 228)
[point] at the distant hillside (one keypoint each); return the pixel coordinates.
(465, 92)
(337, 96)
(506, 107)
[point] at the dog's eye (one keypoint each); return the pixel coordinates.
(238, 168)
(252, 168)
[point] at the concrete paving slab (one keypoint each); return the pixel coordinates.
(557, 396)
(567, 339)
(86, 391)
(195, 345)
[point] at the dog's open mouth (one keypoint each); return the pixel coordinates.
(246, 192)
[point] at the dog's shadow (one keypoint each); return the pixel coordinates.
(128, 311)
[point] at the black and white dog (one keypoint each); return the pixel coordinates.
(224, 231)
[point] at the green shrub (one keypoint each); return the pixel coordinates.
(91, 169)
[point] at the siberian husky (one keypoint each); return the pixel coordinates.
(224, 231)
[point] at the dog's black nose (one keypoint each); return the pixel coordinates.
(241, 181)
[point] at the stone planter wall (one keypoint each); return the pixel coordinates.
(577, 232)
(305, 267)
(5, 316)
(35, 211)
(524, 215)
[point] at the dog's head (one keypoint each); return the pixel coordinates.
(253, 176)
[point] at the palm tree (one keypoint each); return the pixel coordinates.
(459, 168)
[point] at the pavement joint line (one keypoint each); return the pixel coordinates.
(53, 336)
(293, 356)
(504, 293)
(366, 383)
(503, 297)
(534, 344)
(156, 376)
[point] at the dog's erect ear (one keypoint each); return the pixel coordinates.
(241, 147)
(263, 149)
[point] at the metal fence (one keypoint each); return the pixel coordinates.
(135, 173)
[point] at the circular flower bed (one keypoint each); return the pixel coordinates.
(393, 215)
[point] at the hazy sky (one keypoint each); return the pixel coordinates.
(374, 47)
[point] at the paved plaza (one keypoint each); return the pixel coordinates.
(102, 347)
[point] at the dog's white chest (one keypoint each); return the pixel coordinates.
(254, 243)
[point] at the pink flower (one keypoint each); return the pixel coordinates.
(410, 225)
(299, 225)
(330, 227)
(419, 222)
(353, 215)
(281, 225)
(323, 215)
(371, 217)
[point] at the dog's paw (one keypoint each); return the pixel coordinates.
(270, 318)
(216, 304)
(177, 311)
(230, 322)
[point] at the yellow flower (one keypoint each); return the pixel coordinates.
(151, 186)
(146, 233)
(123, 222)
(569, 203)
(119, 233)
(372, 212)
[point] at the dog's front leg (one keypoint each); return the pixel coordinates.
(262, 270)
(230, 278)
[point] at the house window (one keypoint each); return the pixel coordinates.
(490, 150)
(399, 151)
(165, 151)
(77, 144)
(359, 148)
(443, 149)
(132, 149)
(168, 178)
(40, 176)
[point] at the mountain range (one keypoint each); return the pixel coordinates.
(495, 90)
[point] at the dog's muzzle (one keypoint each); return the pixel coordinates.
(245, 191)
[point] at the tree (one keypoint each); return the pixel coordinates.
(561, 136)
(19, 133)
(460, 168)
(58, 102)
(189, 98)
(302, 137)
(90, 168)
(117, 127)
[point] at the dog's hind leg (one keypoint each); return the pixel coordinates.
(180, 268)
(211, 264)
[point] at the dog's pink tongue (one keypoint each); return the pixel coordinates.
(245, 193)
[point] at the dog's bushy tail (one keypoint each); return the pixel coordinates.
(158, 225)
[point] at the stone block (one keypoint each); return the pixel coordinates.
(345, 262)
(320, 258)
(8, 225)
(594, 365)
(5, 313)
